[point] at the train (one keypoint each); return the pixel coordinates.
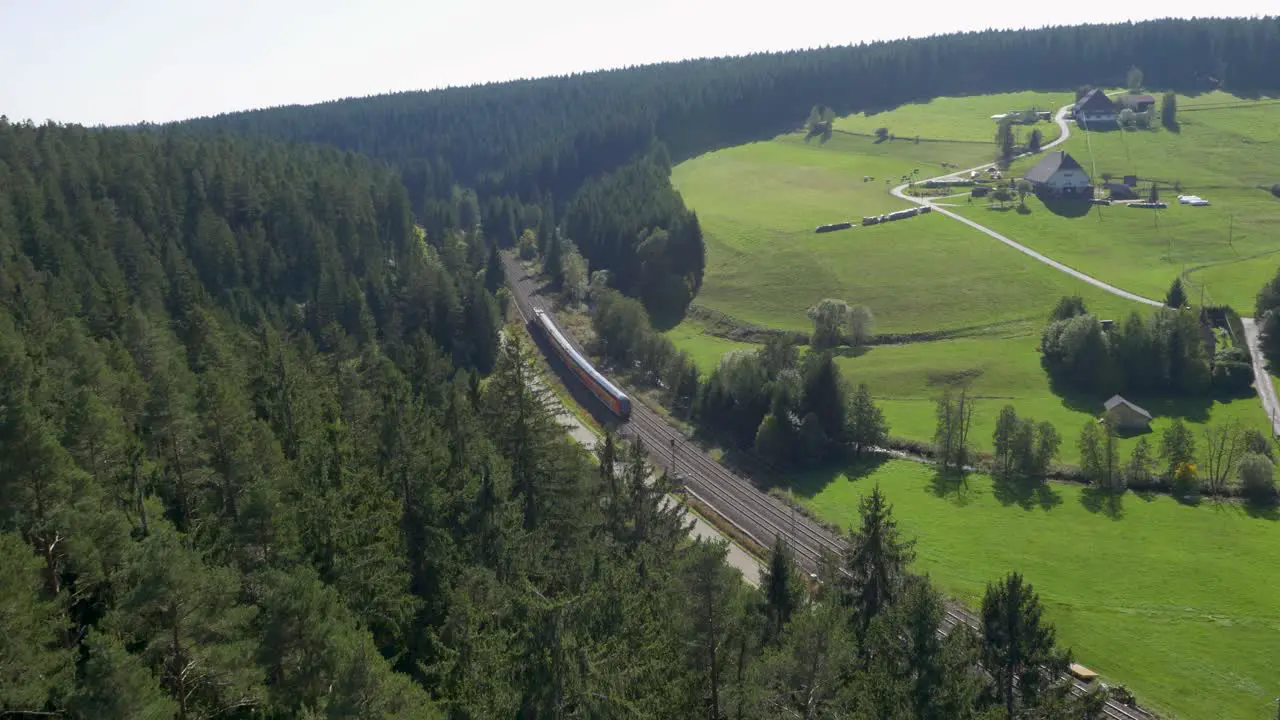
(608, 393)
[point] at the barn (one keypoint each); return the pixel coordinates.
(1126, 416)
(1059, 174)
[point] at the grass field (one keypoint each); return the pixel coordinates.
(1002, 367)
(758, 205)
(1224, 154)
(1158, 595)
(1173, 601)
(958, 118)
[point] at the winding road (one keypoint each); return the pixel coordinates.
(1261, 378)
(1065, 127)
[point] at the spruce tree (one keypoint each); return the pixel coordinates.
(1018, 647)
(1176, 297)
(877, 562)
(781, 587)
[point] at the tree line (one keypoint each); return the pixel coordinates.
(1229, 459)
(791, 411)
(540, 146)
(1164, 354)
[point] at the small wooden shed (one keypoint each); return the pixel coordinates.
(1125, 415)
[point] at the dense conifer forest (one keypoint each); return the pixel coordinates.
(262, 454)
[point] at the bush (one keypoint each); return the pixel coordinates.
(1257, 477)
(1231, 376)
(1256, 441)
(1275, 190)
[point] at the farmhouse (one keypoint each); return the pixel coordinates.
(1094, 108)
(1059, 174)
(1125, 415)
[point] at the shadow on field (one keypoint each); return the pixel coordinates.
(1190, 409)
(951, 486)
(1066, 207)
(809, 483)
(1026, 493)
(1262, 510)
(1096, 500)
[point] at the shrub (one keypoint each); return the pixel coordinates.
(1256, 441)
(1232, 377)
(1257, 477)
(1186, 483)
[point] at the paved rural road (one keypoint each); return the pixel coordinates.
(1065, 127)
(1261, 378)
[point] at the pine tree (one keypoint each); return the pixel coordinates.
(1018, 648)
(115, 685)
(35, 665)
(782, 589)
(192, 631)
(866, 427)
(877, 562)
(713, 613)
(493, 273)
(1176, 297)
(38, 480)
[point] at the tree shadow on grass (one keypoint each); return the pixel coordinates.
(1097, 500)
(1026, 493)
(846, 351)
(1262, 509)
(951, 486)
(805, 483)
(1066, 207)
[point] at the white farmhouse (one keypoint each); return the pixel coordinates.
(1059, 174)
(1095, 110)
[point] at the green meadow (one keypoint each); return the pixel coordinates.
(1227, 153)
(1167, 598)
(958, 118)
(1174, 601)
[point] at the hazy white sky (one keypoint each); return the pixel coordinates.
(124, 61)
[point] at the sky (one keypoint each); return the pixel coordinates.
(125, 61)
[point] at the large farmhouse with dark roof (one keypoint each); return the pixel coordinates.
(1094, 109)
(1058, 173)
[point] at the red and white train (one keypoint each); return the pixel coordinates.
(608, 393)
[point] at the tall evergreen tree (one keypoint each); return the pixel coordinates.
(781, 587)
(876, 563)
(1018, 648)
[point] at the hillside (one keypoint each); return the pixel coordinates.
(531, 146)
(262, 455)
(967, 310)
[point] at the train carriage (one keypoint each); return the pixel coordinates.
(608, 393)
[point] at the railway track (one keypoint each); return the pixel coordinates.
(756, 514)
